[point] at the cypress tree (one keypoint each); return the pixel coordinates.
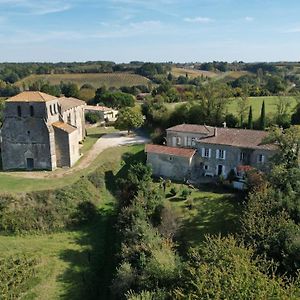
(262, 120)
(250, 119)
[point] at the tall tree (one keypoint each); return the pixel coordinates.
(129, 119)
(250, 119)
(262, 120)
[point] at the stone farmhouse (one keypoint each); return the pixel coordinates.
(193, 151)
(41, 131)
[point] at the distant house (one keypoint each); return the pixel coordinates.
(41, 131)
(213, 151)
(107, 115)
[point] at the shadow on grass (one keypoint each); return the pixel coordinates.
(96, 135)
(91, 268)
(209, 215)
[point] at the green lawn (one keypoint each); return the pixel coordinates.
(256, 103)
(213, 211)
(77, 264)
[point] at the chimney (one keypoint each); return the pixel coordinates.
(216, 131)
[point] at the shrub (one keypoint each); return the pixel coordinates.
(92, 118)
(173, 191)
(16, 273)
(185, 193)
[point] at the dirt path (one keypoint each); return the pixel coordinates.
(105, 142)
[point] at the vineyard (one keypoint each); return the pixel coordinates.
(96, 80)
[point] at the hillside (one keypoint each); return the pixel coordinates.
(95, 79)
(192, 73)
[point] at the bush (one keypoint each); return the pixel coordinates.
(185, 193)
(16, 272)
(173, 191)
(92, 118)
(47, 211)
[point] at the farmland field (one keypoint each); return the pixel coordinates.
(96, 80)
(192, 73)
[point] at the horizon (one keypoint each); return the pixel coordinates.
(158, 31)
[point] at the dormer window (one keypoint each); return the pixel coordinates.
(19, 111)
(31, 111)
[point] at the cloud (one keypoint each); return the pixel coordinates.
(249, 19)
(36, 7)
(198, 20)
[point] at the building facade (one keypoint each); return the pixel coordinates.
(41, 131)
(218, 151)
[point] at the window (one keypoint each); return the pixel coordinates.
(242, 156)
(193, 141)
(221, 154)
(51, 110)
(171, 158)
(205, 167)
(19, 111)
(260, 158)
(178, 140)
(69, 118)
(206, 152)
(28, 133)
(31, 111)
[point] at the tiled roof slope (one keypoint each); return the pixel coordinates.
(192, 128)
(64, 126)
(244, 138)
(98, 108)
(31, 96)
(181, 152)
(68, 103)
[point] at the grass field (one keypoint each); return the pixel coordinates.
(76, 264)
(192, 73)
(213, 211)
(96, 80)
(255, 102)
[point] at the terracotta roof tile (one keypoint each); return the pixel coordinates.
(181, 152)
(31, 96)
(64, 126)
(244, 138)
(68, 103)
(192, 128)
(98, 108)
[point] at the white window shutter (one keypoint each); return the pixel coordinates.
(262, 158)
(209, 153)
(224, 154)
(217, 153)
(203, 152)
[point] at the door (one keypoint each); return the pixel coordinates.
(30, 163)
(220, 170)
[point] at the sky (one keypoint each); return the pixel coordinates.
(153, 30)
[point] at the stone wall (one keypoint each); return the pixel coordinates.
(232, 158)
(62, 147)
(173, 167)
(23, 139)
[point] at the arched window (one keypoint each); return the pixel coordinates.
(19, 111)
(51, 111)
(31, 111)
